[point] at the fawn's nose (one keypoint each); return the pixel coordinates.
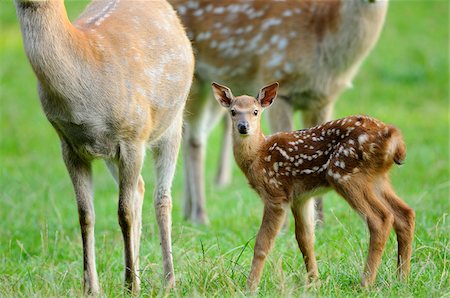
(243, 127)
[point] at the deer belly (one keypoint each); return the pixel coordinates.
(87, 141)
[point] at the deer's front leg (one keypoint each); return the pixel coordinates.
(130, 165)
(81, 175)
(271, 224)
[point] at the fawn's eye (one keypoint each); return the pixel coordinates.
(233, 113)
(255, 112)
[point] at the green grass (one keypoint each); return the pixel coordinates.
(405, 82)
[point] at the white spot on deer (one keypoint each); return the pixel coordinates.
(209, 7)
(181, 10)
(198, 13)
(274, 39)
(363, 138)
(203, 36)
(268, 158)
(336, 176)
(346, 177)
(219, 10)
(287, 13)
(274, 182)
(307, 171)
(299, 162)
(270, 23)
(275, 167)
(275, 60)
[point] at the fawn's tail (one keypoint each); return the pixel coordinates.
(396, 149)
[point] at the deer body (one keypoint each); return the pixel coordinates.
(351, 156)
(313, 48)
(112, 83)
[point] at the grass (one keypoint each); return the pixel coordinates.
(405, 81)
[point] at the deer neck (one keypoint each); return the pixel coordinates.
(51, 42)
(246, 149)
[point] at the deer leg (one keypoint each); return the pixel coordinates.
(165, 156)
(379, 220)
(223, 175)
(195, 136)
(81, 175)
(138, 201)
(271, 224)
(194, 158)
(129, 166)
(404, 221)
(303, 212)
(313, 117)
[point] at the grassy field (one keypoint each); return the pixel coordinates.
(405, 82)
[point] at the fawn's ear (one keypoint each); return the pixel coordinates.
(222, 94)
(267, 94)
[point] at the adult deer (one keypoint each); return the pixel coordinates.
(112, 83)
(351, 156)
(313, 48)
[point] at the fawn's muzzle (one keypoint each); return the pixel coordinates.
(243, 127)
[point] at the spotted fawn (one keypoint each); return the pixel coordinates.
(351, 155)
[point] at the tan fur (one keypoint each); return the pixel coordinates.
(351, 155)
(313, 48)
(112, 83)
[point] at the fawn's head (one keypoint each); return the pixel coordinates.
(245, 111)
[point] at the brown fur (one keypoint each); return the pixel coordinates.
(351, 155)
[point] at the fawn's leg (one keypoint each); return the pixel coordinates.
(165, 157)
(223, 175)
(130, 165)
(404, 218)
(379, 220)
(271, 224)
(81, 175)
(312, 117)
(303, 212)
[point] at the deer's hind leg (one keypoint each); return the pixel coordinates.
(303, 212)
(359, 192)
(129, 166)
(165, 159)
(404, 221)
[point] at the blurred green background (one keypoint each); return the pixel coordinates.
(405, 81)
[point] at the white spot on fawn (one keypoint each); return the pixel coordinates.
(363, 138)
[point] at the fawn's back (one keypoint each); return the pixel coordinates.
(304, 160)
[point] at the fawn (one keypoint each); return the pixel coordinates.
(112, 83)
(314, 48)
(350, 155)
